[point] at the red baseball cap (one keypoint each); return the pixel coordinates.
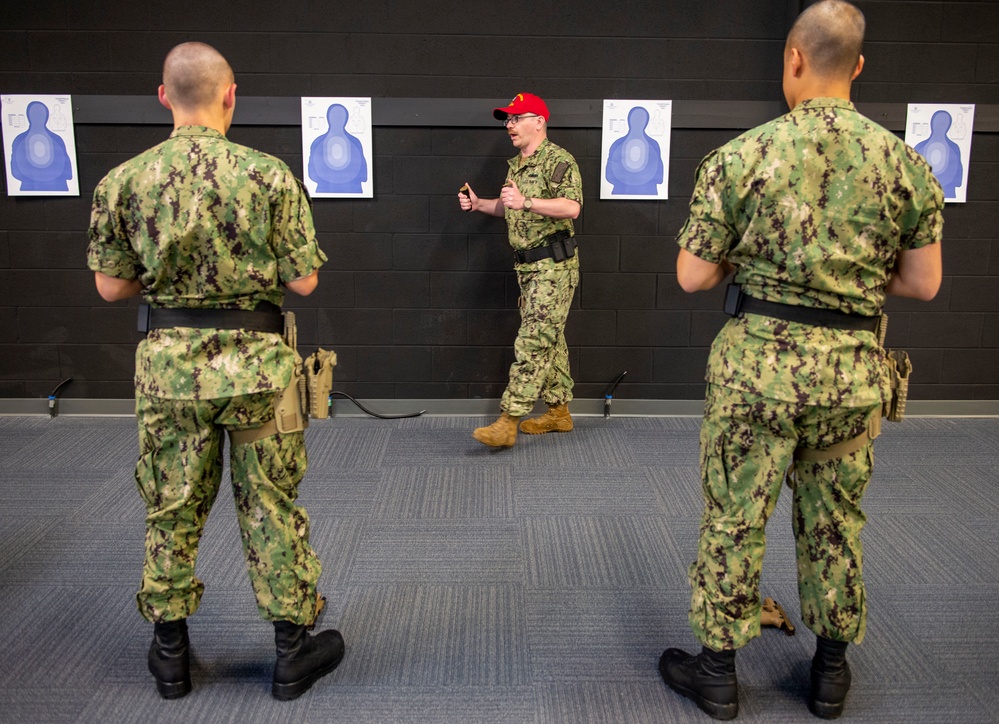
(522, 103)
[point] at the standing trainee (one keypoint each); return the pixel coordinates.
(542, 195)
(210, 233)
(821, 213)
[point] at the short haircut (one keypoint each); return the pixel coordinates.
(193, 74)
(830, 35)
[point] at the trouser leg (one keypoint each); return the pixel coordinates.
(177, 475)
(541, 368)
(827, 523)
(283, 567)
(746, 445)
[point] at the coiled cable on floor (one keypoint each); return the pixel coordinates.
(364, 409)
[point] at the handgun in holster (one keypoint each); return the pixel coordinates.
(319, 374)
(898, 367)
(290, 406)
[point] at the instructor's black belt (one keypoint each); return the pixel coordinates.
(254, 321)
(738, 303)
(558, 246)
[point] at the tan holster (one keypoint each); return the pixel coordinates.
(307, 392)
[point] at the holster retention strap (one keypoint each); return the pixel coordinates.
(841, 449)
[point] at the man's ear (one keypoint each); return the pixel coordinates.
(860, 67)
(229, 99)
(797, 62)
(164, 101)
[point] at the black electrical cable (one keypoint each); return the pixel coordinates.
(609, 395)
(375, 414)
(53, 399)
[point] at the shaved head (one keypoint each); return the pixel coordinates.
(194, 75)
(829, 34)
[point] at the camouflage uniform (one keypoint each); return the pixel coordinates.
(205, 223)
(541, 368)
(812, 209)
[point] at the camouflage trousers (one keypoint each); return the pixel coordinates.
(178, 475)
(747, 446)
(541, 368)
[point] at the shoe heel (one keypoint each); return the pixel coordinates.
(173, 689)
(825, 710)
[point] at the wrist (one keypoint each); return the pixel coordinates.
(528, 204)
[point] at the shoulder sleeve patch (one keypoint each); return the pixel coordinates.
(559, 173)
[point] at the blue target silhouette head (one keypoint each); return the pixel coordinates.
(940, 123)
(38, 114)
(638, 119)
(336, 116)
(38, 156)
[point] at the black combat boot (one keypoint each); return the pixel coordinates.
(169, 660)
(302, 659)
(708, 679)
(830, 678)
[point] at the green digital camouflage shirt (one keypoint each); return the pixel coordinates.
(548, 173)
(812, 209)
(205, 223)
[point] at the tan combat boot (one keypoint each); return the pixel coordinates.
(557, 419)
(502, 433)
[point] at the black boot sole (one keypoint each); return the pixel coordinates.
(287, 692)
(825, 710)
(721, 712)
(173, 689)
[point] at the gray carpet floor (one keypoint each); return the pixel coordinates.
(538, 584)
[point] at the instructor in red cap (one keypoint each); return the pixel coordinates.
(543, 193)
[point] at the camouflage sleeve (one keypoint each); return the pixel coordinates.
(571, 184)
(108, 250)
(928, 227)
(293, 233)
(709, 231)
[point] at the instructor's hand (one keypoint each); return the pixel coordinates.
(467, 198)
(511, 196)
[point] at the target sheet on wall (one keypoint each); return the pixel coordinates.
(336, 147)
(941, 133)
(635, 149)
(39, 145)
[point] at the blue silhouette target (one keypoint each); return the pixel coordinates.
(39, 160)
(943, 154)
(635, 149)
(942, 133)
(337, 163)
(635, 164)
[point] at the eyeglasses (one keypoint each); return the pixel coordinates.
(514, 120)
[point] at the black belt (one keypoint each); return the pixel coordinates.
(558, 246)
(815, 316)
(254, 321)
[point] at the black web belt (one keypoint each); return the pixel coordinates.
(558, 246)
(737, 303)
(254, 321)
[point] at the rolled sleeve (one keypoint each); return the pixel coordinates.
(294, 234)
(708, 232)
(571, 186)
(108, 250)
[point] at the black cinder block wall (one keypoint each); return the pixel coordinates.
(419, 300)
